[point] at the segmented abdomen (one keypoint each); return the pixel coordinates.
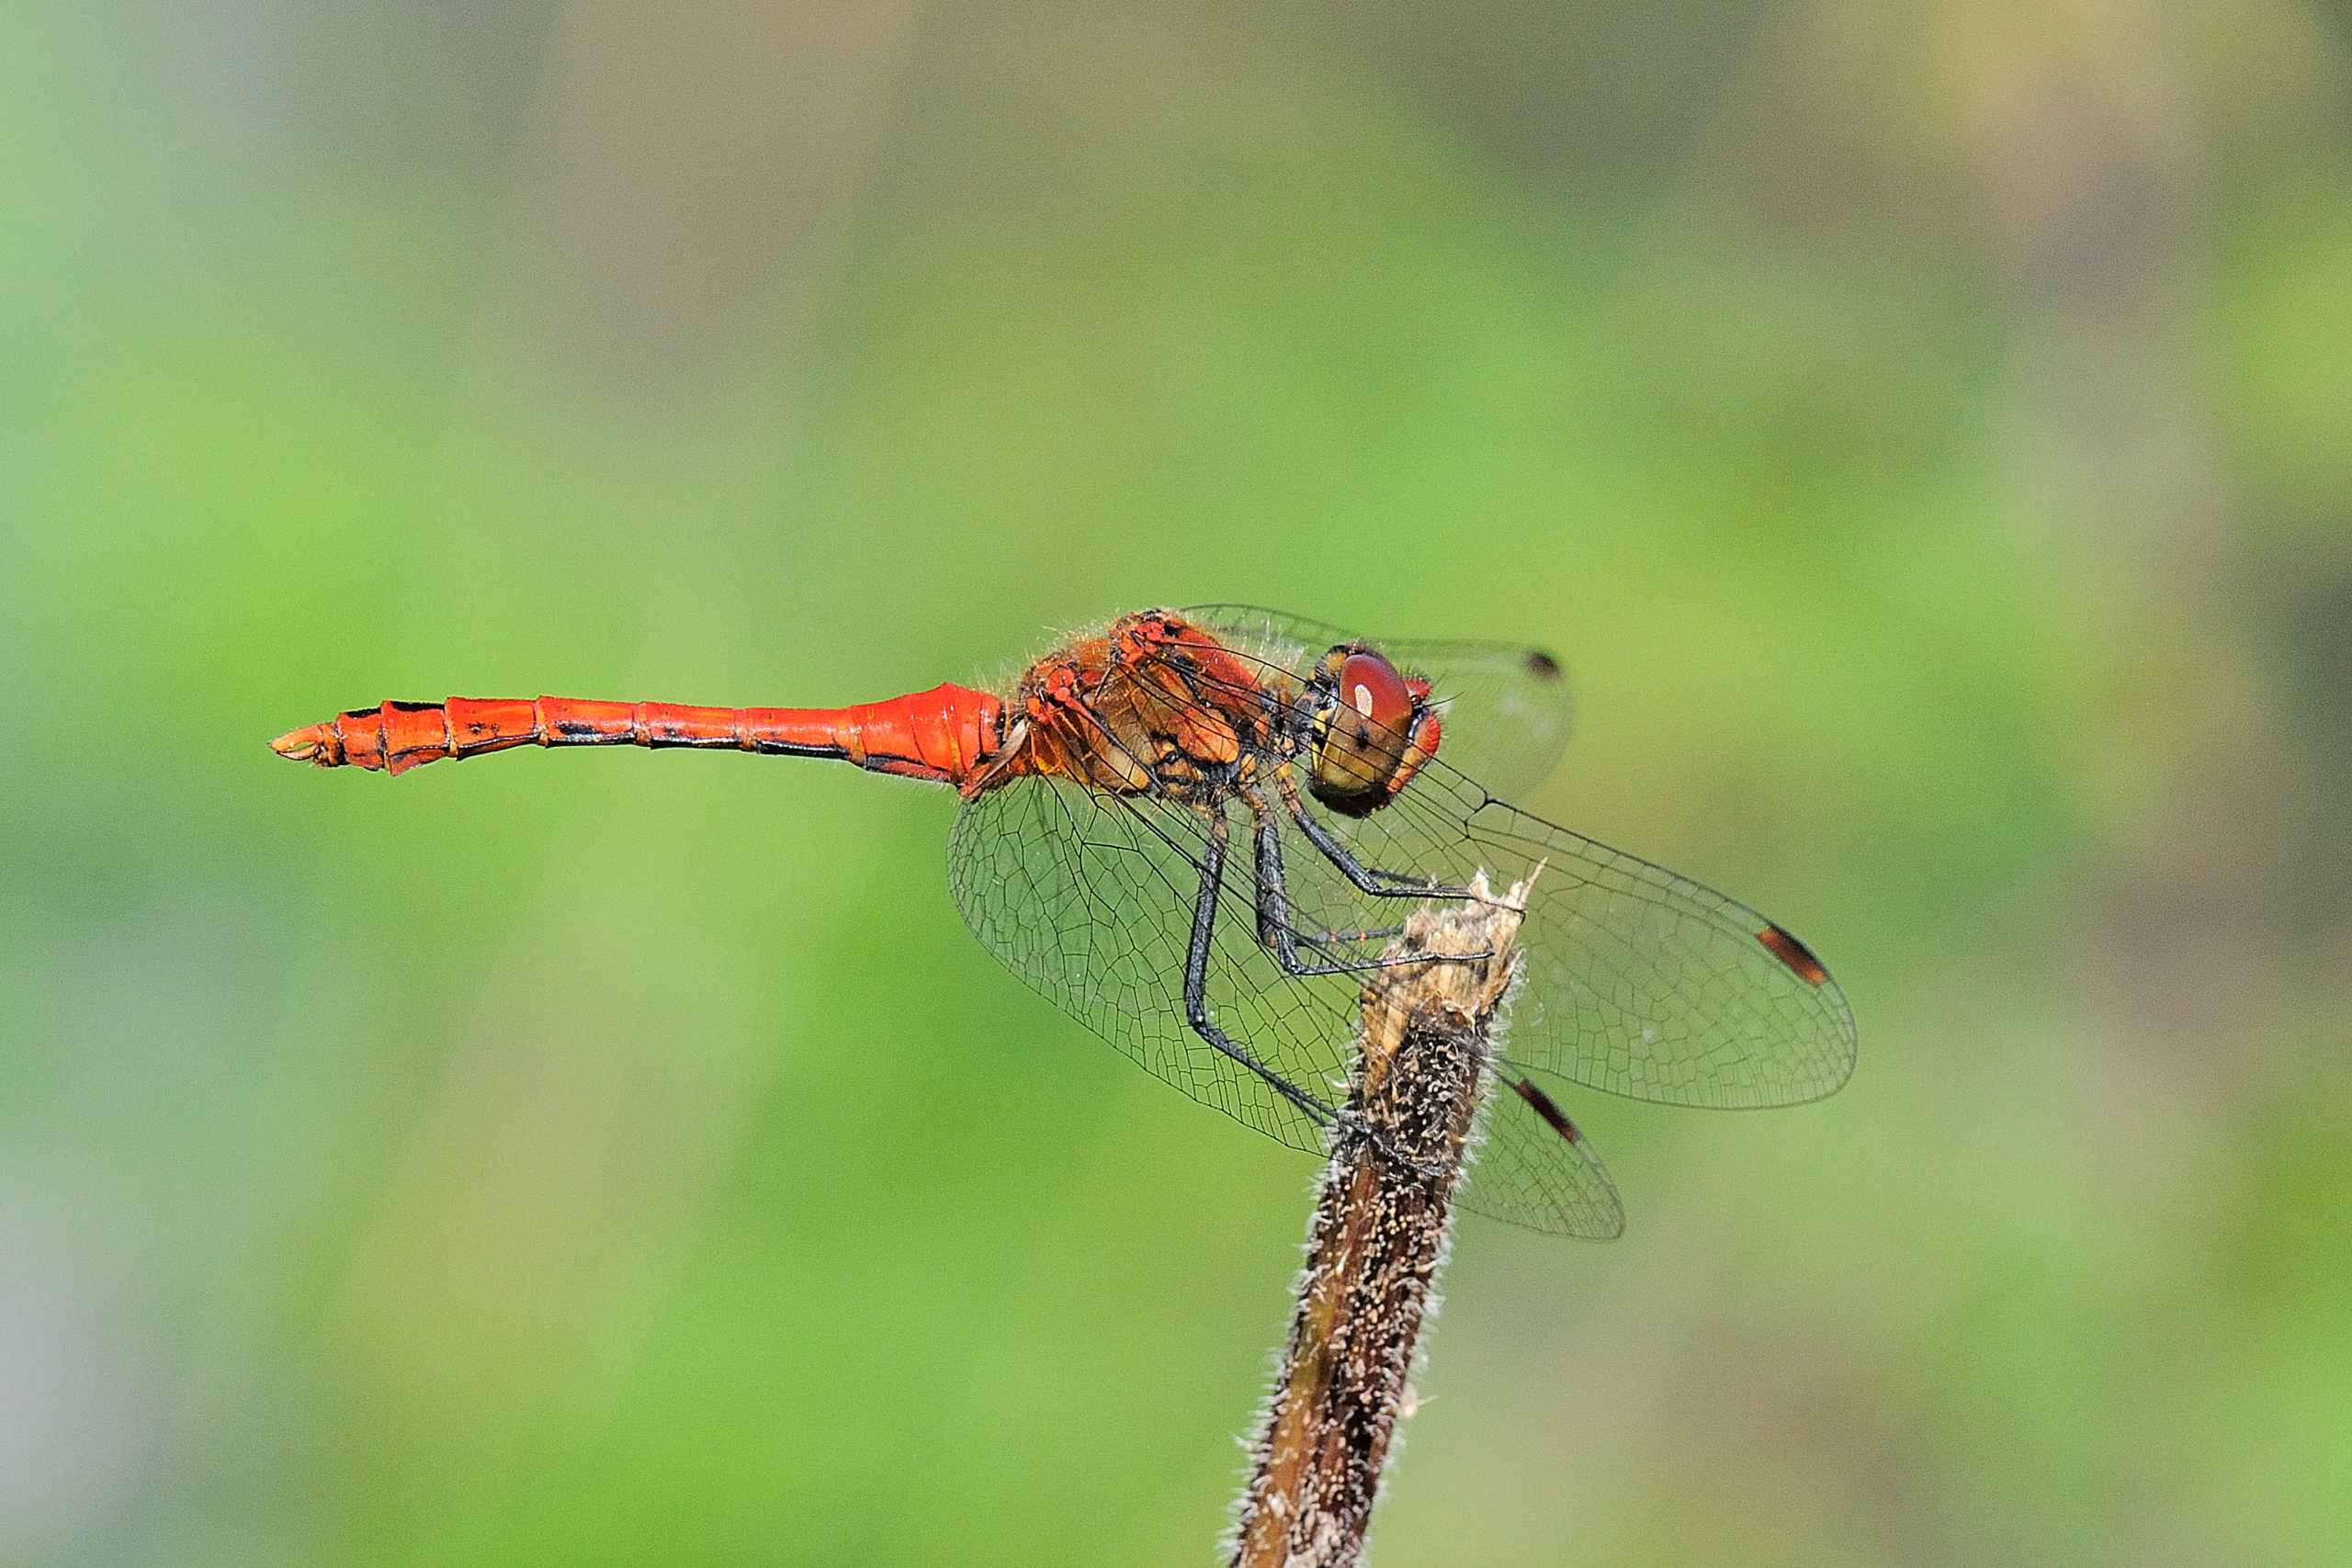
(940, 734)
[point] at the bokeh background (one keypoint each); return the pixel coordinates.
(1925, 431)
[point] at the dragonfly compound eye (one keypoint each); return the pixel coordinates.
(1361, 732)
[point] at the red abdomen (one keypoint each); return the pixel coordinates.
(942, 734)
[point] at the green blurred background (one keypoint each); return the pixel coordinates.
(1923, 430)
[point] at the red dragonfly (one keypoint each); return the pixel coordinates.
(1196, 831)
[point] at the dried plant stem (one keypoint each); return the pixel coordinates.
(1379, 1234)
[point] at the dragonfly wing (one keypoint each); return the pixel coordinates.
(1089, 897)
(1535, 1168)
(1277, 634)
(1648, 985)
(1638, 981)
(1503, 706)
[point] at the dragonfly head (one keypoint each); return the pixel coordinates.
(1370, 730)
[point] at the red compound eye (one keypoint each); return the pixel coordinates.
(1370, 685)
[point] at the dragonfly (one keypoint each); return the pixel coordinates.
(1197, 832)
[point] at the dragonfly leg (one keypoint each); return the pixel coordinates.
(1341, 939)
(1196, 976)
(1370, 880)
(1279, 937)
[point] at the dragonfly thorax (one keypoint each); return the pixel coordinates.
(1153, 706)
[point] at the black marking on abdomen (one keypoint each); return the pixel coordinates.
(795, 749)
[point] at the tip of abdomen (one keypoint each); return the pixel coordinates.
(313, 743)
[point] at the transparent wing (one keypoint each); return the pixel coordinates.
(1528, 1172)
(1504, 707)
(1089, 897)
(1639, 982)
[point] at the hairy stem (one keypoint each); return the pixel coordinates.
(1379, 1234)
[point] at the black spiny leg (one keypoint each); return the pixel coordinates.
(1367, 879)
(1279, 937)
(1196, 974)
